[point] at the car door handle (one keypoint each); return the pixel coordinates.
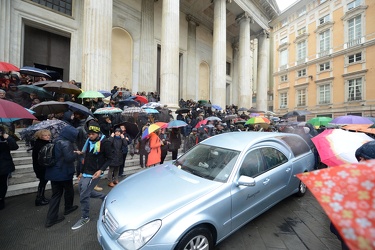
(265, 182)
(288, 169)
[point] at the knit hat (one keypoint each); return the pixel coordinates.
(94, 127)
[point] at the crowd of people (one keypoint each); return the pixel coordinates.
(90, 145)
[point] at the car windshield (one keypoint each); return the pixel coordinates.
(208, 162)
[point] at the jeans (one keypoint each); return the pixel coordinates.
(86, 191)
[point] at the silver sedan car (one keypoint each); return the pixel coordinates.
(205, 195)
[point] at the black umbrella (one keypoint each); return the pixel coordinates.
(296, 113)
(54, 126)
(182, 110)
(131, 128)
(79, 108)
(32, 71)
(242, 109)
(49, 107)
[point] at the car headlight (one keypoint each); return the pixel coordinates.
(135, 239)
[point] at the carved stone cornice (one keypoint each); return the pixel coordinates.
(192, 19)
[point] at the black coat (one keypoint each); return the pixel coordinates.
(6, 160)
(99, 161)
(40, 171)
(118, 144)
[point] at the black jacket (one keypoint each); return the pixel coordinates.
(6, 160)
(118, 144)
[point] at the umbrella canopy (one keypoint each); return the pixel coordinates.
(132, 110)
(54, 126)
(76, 107)
(39, 91)
(213, 118)
(152, 128)
(129, 103)
(107, 110)
(337, 146)
(242, 109)
(62, 88)
(203, 122)
(202, 101)
(208, 105)
(11, 111)
(296, 113)
(230, 117)
(257, 120)
(141, 99)
(217, 107)
(320, 121)
(176, 124)
(42, 83)
(6, 67)
(49, 107)
(253, 110)
(151, 111)
(365, 128)
(351, 119)
(91, 94)
(346, 195)
(151, 105)
(182, 110)
(105, 93)
(131, 128)
(32, 71)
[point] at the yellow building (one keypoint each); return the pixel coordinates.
(324, 58)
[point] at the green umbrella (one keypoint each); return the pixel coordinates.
(39, 91)
(320, 121)
(91, 94)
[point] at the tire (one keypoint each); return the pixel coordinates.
(199, 238)
(302, 189)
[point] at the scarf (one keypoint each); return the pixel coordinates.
(95, 146)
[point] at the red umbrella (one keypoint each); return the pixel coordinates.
(346, 193)
(4, 66)
(203, 122)
(141, 99)
(10, 111)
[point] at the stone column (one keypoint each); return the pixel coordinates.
(97, 34)
(235, 86)
(263, 70)
(219, 54)
(5, 33)
(146, 76)
(191, 83)
(169, 66)
(244, 62)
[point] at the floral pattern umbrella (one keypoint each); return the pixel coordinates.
(107, 110)
(346, 193)
(54, 126)
(337, 146)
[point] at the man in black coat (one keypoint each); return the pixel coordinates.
(7, 143)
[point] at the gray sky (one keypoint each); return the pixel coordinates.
(283, 4)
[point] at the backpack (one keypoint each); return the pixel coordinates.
(147, 145)
(46, 155)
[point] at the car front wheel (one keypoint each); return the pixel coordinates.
(301, 189)
(199, 238)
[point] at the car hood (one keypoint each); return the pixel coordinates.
(154, 194)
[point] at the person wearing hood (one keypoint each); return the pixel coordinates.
(98, 155)
(61, 175)
(366, 151)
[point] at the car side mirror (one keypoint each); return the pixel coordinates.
(245, 181)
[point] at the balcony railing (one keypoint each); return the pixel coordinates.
(283, 67)
(324, 53)
(355, 42)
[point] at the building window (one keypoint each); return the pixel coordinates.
(301, 97)
(355, 58)
(284, 22)
(355, 89)
(324, 42)
(283, 57)
(301, 11)
(323, 19)
(301, 31)
(354, 4)
(301, 50)
(63, 6)
(354, 28)
(284, 78)
(301, 73)
(324, 66)
(228, 68)
(283, 40)
(283, 100)
(325, 94)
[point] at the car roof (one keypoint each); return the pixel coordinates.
(242, 140)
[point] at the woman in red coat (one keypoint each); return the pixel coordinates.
(154, 157)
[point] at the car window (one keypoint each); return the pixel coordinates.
(273, 157)
(297, 144)
(252, 164)
(209, 162)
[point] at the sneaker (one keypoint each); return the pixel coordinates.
(80, 223)
(97, 188)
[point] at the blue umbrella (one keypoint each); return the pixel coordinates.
(151, 111)
(32, 71)
(105, 92)
(217, 107)
(176, 124)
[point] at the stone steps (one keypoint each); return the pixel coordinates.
(24, 181)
